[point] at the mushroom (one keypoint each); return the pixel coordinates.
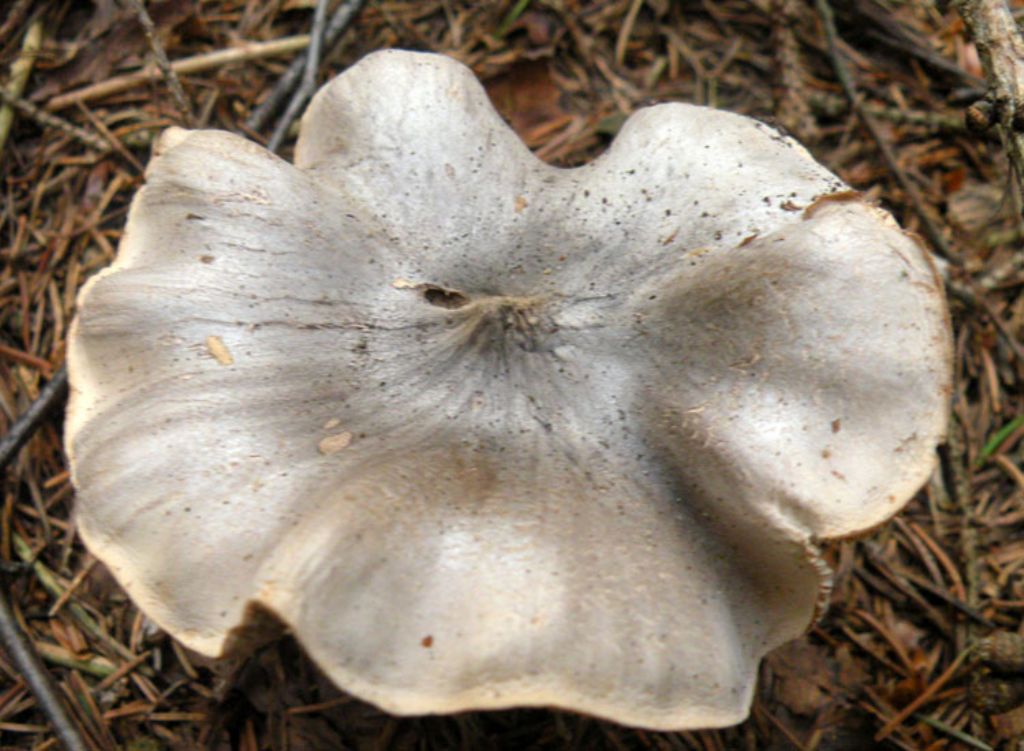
(483, 432)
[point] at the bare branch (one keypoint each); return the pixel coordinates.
(1001, 50)
(164, 64)
(340, 21)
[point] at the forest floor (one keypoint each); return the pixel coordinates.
(921, 647)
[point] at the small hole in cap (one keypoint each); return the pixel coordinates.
(444, 298)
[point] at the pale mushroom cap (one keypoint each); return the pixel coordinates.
(487, 433)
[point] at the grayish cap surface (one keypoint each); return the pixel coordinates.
(488, 433)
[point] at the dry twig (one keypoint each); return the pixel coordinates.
(922, 698)
(1001, 49)
(931, 231)
(17, 646)
(15, 14)
(198, 64)
(21, 69)
(340, 21)
(164, 64)
(792, 105)
(49, 120)
(308, 85)
(32, 418)
(20, 650)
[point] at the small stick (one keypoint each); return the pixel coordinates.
(939, 244)
(335, 28)
(782, 728)
(27, 424)
(121, 672)
(15, 642)
(15, 15)
(99, 667)
(47, 120)
(21, 69)
(1001, 50)
(887, 635)
(825, 103)
(964, 291)
(26, 358)
(308, 86)
(955, 468)
(75, 584)
(792, 106)
(922, 698)
(948, 598)
(164, 64)
(960, 735)
(196, 64)
(113, 140)
(626, 31)
(28, 664)
(49, 581)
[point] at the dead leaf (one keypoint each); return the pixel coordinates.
(540, 27)
(851, 674)
(802, 670)
(1009, 724)
(527, 97)
(976, 205)
(106, 44)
